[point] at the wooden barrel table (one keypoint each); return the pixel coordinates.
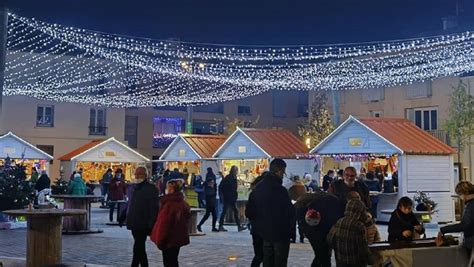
(229, 217)
(78, 224)
(194, 221)
(43, 235)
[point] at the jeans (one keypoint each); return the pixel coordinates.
(210, 209)
(219, 207)
(139, 252)
(111, 211)
(104, 189)
(170, 257)
(322, 251)
(257, 242)
(275, 254)
(201, 202)
(224, 211)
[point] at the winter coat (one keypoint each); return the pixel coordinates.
(210, 187)
(143, 207)
(117, 190)
(373, 234)
(270, 210)
(34, 177)
(228, 189)
(327, 180)
(400, 222)
(172, 225)
(327, 205)
(348, 236)
(340, 189)
(466, 225)
(43, 182)
(77, 187)
(106, 178)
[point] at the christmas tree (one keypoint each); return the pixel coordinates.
(319, 124)
(60, 187)
(15, 191)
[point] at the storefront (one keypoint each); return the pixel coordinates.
(21, 152)
(96, 157)
(252, 150)
(389, 146)
(192, 153)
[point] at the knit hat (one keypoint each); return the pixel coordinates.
(312, 217)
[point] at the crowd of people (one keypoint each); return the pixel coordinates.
(339, 216)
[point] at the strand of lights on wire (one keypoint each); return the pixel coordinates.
(60, 63)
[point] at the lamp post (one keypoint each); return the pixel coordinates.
(189, 109)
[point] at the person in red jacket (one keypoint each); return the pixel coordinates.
(170, 232)
(117, 191)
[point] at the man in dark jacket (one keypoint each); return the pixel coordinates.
(210, 191)
(141, 216)
(329, 210)
(43, 182)
(229, 195)
(342, 187)
(257, 240)
(272, 215)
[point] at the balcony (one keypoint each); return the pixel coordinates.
(100, 130)
(441, 135)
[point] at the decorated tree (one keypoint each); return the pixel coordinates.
(460, 123)
(15, 191)
(60, 187)
(319, 123)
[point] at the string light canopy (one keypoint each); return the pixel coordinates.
(60, 63)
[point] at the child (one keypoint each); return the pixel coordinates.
(353, 195)
(348, 236)
(403, 224)
(373, 234)
(170, 232)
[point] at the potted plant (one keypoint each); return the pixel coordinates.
(424, 202)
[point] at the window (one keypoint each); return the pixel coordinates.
(244, 107)
(165, 130)
(376, 114)
(208, 127)
(373, 95)
(131, 130)
(47, 149)
(425, 118)
(45, 116)
(97, 121)
(418, 90)
(302, 104)
(279, 104)
(213, 108)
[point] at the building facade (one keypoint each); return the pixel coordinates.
(424, 103)
(58, 128)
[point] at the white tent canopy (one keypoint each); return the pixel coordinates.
(16, 148)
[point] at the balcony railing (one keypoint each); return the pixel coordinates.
(93, 130)
(441, 135)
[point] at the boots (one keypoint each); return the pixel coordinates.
(222, 229)
(199, 228)
(240, 228)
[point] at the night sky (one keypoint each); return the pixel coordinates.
(254, 22)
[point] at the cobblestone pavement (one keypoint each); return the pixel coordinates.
(114, 246)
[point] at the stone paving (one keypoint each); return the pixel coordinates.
(114, 246)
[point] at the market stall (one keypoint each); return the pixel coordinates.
(95, 157)
(21, 152)
(252, 150)
(421, 162)
(193, 153)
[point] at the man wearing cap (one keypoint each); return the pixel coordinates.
(142, 212)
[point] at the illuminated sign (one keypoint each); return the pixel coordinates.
(182, 152)
(242, 149)
(355, 141)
